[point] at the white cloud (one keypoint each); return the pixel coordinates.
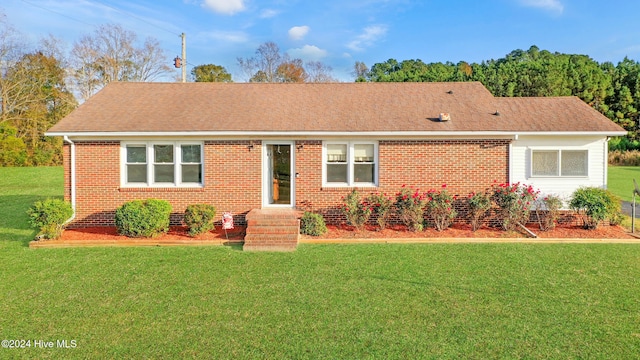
(369, 36)
(298, 32)
(551, 5)
(308, 53)
(227, 7)
(229, 36)
(268, 13)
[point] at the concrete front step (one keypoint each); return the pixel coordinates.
(273, 222)
(272, 230)
(271, 237)
(267, 229)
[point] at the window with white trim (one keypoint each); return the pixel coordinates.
(161, 164)
(566, 163)
(350, 163)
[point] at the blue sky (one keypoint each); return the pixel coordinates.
(340, 32)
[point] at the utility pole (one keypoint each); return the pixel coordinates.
(184, 57)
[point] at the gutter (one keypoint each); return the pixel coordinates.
(510, 159)
(73, 178)
(606, 164)
(117, 135)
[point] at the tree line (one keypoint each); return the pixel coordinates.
(613, 90)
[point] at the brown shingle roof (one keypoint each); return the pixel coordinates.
(336, 107)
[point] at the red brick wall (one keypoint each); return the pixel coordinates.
(464, 165)
(232, 175)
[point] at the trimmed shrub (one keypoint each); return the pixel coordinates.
(356, 210)
(410, 206)
(312, 224)
(594, 205)
(199, 218)
(49, 216)
(143, 218)
(615, 211)
(479, 204)
(382, 206)
(440, 208)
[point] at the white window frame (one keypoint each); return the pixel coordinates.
(350, 164)
(177, 164)
(559, 161)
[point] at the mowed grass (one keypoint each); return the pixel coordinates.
(620, 181)
(19, 189)
(322, 301)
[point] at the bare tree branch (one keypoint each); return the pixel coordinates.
(110, 54)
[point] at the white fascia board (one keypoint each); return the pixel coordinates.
(324, 134)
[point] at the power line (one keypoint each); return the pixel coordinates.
(108, 6)
(105, 5)
(58, 13)
(134, 16)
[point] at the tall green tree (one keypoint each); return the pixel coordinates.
(34, 96)
(624, 101)
(48, 101)
(210, 73)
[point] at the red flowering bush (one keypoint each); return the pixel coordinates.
(515, 202)
(356, 210)
(479, 205)
(382, 205)
(440, 208)
(410, 206)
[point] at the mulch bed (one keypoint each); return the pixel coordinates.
(460, 230)
(178, 235)
(175, 233)
(108, 236)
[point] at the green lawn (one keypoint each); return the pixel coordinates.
(322, 301)
(620, 180)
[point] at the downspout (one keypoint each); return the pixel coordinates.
(72, 164)
(606, 162)
(510, 159)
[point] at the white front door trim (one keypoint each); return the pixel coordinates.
(267, 174)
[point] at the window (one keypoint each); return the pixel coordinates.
(136, 164)
(559, 162)
(350, 163)
(337, 163)
(191, 163)
(162, 164)
(163, 168)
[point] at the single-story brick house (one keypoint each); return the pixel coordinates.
(305, 146)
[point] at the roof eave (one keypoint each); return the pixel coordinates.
(106, 134)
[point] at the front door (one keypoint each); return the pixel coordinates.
(278, 178)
